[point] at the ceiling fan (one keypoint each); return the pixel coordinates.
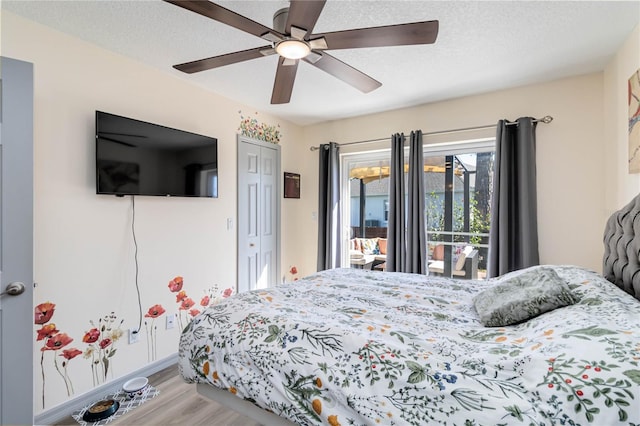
(292, 38)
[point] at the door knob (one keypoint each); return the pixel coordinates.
(14, 289)
(251, 245)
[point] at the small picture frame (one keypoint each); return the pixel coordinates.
(291, 185)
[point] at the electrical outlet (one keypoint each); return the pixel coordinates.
(134, 336)
(171, 321)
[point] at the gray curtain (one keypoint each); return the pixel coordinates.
(513, 238)
(415, 261)
(329, 241)
(396, 243)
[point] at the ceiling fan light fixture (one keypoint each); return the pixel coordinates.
(293, 49)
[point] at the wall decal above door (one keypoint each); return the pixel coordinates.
(252, 128)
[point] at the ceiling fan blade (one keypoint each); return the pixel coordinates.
(304, 14)
(318, 44)
(391, 35)
(298, 33)
(222, 60)
(313, 57)
(346, 73)
(283, 86)
(267, 52)
(225, 16)
(272, 37)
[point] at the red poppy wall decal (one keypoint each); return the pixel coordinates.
(101, 346)
(91, 336)
(68, 355)
(53, 341)
(47, 330)
(152, 329)
(181, 296)
(186, 310)
(57, 341)
(293, 271)
(102, 338)
(175, 284)
(187, 304)
(43, 312)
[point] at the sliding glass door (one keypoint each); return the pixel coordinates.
(457, 182)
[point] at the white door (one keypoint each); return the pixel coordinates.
(258, 214)
(16, 245)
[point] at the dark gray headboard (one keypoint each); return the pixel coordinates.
(621, 262)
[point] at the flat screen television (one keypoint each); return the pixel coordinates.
(138, 158)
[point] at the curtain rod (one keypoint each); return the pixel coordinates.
(546, 119)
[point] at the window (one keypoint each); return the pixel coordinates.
(457, 183)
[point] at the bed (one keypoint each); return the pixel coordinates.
(358, 347)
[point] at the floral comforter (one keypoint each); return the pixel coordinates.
(355, 347)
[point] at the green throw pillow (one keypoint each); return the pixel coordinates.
(521, 296)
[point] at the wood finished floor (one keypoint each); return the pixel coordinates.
(177, 404)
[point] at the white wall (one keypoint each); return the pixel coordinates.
(569, 157)
(84, 252)
(620, 185)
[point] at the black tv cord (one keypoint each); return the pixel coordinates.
(135, 256)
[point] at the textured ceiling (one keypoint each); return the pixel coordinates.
(482, 46)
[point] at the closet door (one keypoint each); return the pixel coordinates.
(258, 214)
(269, 213)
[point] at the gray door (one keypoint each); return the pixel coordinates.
(258, 214)
(16, 245)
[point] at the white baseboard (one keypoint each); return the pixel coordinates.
(59, 412)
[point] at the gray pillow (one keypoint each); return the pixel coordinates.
(521, 296)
